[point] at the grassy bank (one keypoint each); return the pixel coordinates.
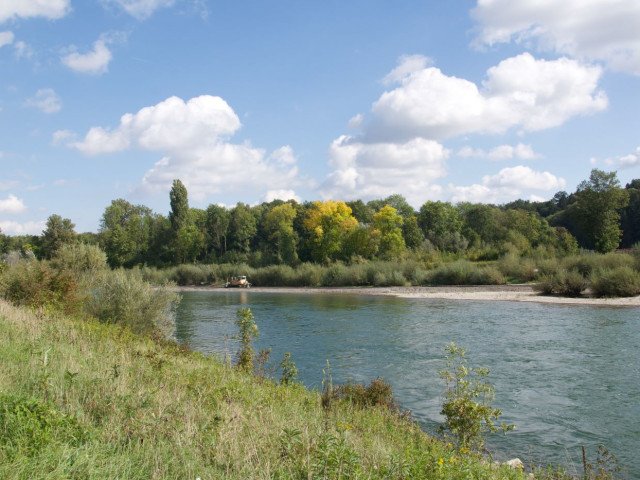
(81, 399)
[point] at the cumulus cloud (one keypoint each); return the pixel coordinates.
(407, 64)
(272, 195)
(142, 9)
(375, 170)
(6, 38)
(93, 62)
(508, 184)
(194, 138)
(46, 100)
(520, 92)
(501, 152)
(601, 30)
(62, 136)
(17, 228)
(12, 205)
(52, 9)
(625, 161)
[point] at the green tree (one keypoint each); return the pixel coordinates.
(413, 236)
(596, 210)
(389, 223)
(179, 200)
(242, 228)
(282, 238)
(217, 226)
(440, 222)
(396, 201)
(125, 232)
(248, 330)
(630, 216)
(58, 231)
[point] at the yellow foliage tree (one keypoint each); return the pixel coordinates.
(328, 225)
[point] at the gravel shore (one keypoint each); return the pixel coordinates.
(508, 293)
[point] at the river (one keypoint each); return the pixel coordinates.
(567, 376)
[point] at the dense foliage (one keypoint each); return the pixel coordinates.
(599, 216)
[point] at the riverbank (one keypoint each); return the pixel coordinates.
(494, 293)
(82, 399)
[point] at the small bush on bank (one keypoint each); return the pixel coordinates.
(617, 282)
(517, 268)
(36, 284)
(589, 263)
(377, 394)
(562, 283)
(188, 274)
(124, 298)
(465, 273)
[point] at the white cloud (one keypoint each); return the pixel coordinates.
(520, 92)
(23, 49)
(601, 30)
(356, 121)
(6, 38)
(94, 62)
(142, 9)
(61, 136)
(376, 170)
(27, 228)
(193, 137)
(625, 161)
(8, 184)
(52, 9)
(407, 64)
(272, 195)
(46, 100)
(12, 205)
(508, 184)
(501, 152)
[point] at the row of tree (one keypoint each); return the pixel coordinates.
(598, 216)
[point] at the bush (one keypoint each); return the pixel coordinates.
(36, 284)
(124, 298)
(465, 273)
(377, 394)
(80, 258)
(562, 283)
(517, 268)
(467, 401)
(617, 282)
(589, 263)
(188, 274)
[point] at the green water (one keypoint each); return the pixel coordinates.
(566, 376)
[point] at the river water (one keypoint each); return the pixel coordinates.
(567, 376)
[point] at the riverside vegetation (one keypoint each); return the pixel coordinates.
(566, 244)
(91, 388)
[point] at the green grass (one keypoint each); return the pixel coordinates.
(80, 399)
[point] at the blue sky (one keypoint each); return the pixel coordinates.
(487, 100)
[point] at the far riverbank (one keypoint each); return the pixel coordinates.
(508, 293)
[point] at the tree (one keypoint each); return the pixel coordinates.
(125, 232)
(217, 226)
(328, 225)
(413, 236)
(389, 223)
(58, 231)
(396, 201)
(630, 216)
(278, 225)
(242, 228)
(596, 210)
(179, 200)
(440, 222)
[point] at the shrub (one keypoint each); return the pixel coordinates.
(36, 284)
(517, 268)
(617, 282)
(465, 273)
(562, 283)
(188, 274)
(247, 331)
(80, 258)
(547, 266)
(377, 394)
(467, 401)
(124, 298)
(289, 370)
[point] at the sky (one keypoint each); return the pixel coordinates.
(253, 100)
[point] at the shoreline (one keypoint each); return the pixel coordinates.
(499, 293)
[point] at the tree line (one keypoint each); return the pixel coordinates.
(600, 215)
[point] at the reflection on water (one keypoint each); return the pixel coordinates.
(566, 376)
